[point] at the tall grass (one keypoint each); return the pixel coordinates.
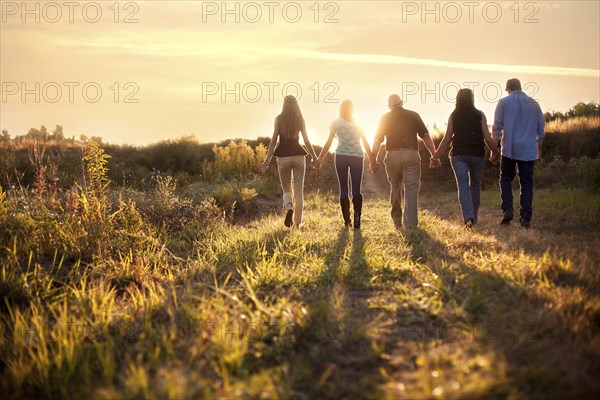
(260, 311)
(572, 138)
(573, 125)
(112, 292)
(188, 161)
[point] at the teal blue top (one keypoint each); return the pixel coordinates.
(348, 134)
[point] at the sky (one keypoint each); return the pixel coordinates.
(146, 71)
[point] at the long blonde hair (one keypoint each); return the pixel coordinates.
(290, 119)
(347, 110)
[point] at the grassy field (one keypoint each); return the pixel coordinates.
(202, 307)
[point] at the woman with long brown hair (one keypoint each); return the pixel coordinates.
(468, 133)
(291, 158)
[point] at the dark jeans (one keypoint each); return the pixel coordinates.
(508, 171)
(354, 164)
(468, 171)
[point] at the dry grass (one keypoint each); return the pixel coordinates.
(573, 125)
(258, 311)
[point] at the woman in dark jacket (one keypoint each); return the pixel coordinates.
(467, 134)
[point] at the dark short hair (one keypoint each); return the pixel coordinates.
(513, 84)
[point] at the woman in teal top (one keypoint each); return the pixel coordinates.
(348, 159)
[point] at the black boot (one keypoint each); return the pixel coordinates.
(357, 201)
(345, 204)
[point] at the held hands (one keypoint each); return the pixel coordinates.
(435, 162)
(495, 158)
(374, 167)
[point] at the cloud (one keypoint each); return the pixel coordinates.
(163, 47)
(399, 60)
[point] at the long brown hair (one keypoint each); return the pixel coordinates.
(465, 100)
(290, 119)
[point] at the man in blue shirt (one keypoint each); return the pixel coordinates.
(519, 121)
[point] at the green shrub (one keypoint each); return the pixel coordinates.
(576, 173)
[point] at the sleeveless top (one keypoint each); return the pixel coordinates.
(467, 138)
(348, 134)
(289, 147)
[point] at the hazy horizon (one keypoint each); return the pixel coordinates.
(178, 57)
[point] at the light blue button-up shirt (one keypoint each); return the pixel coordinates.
(520, 122)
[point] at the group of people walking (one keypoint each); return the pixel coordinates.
(515, 142)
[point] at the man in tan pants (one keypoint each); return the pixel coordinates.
(399, 128)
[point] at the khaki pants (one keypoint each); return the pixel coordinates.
(291, 172)
(403, 169)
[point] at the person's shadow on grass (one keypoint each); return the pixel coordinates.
(543, 355)
(336, 349)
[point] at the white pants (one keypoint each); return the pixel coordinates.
(291, 173)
